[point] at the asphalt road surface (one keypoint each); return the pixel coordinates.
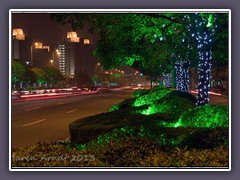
(48, 120)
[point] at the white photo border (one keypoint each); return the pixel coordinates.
(11, 11)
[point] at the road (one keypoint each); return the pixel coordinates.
(48, 120)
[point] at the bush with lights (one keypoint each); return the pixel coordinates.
(139, 93)
(171, 105)
(151, 98)
(183, 95)
(127, 103)
(208, 116)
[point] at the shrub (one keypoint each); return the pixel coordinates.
(205, 116)
(86, 129)
(127, 103)
(151, 98)
(139, 93)
(156, 88)
(127, 152)
(183, 95)
(171, 105)
(206, 138)
(114, 107)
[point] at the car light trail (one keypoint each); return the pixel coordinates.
(213, 93)
(32, 108)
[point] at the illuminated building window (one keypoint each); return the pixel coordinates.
(18, 34)
(72, 37)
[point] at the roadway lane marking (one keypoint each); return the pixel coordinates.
(71, 111)
(34, 122)
(60, 103)
(32, 108)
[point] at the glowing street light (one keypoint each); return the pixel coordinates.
(51, 61)
(58, 52)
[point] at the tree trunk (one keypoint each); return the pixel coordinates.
(173, 80)
(151, 81)
(204, 76)
(182, 76)
(203, 38)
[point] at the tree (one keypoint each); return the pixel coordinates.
(53, 75)
(40, 74)
(18, 72)
(30, 77)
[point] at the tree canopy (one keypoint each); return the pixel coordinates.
(152, 42)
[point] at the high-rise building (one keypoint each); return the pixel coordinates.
(40, 55)
(41, 58)
(85, 62)
(76, 59)
(67, 59)
(21, 46)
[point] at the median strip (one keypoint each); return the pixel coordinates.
(32, 108)
(71, 111)
(34, 122)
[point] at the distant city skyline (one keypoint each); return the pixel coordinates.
(41, 29)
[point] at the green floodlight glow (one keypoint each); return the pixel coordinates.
(117, 75)
(151, 97)
(114, 107)
(147, 111)
(170, 105)
(175, 125)
(209, 116)
(210, 20)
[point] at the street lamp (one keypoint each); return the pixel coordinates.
(58, 52)
(51, 61)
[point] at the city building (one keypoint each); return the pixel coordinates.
(21, 46)
(40, 55)
(76, 59)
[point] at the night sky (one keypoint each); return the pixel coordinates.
(42, 29)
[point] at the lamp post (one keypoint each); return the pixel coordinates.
(32, 55)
